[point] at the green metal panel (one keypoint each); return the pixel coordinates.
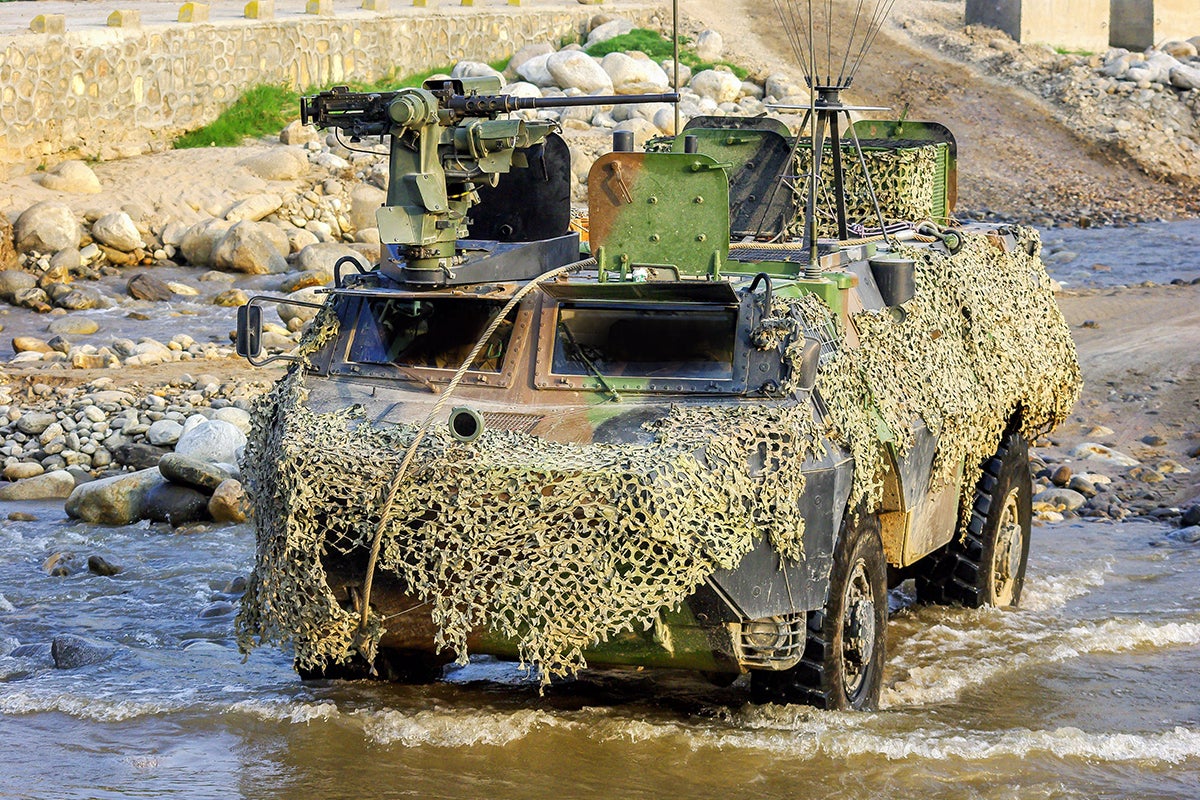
(659, 209)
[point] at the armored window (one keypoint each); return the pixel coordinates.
(435, 333)
(644, 342)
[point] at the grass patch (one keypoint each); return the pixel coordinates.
(658, 47)
(265, 110)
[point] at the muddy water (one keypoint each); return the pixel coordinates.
(1092, 690)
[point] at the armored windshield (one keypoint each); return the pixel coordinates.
(435, 332)
(645, 342)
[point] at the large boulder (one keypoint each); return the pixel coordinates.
(56, 484)
(13, 281)
(252, 209)
(73, 176)
(1185, 77)
(609, 30)
(118, 500)
(278, 164)
(169, 502)
(118, 232)
(535, 71)
(188, 471)
(144, 286)
(717, 85)
(321, 257)
(47, 227)
(214, 440)
(164, 433)
(365, 200)
(709, 45)
(229, 502)
(634, 75)
(575, 69)
(527, 52)
(251, 248)
(290, 311)
(198, 243)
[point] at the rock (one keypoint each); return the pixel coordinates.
(321, 257)
(235, 416)
(47, 227)
(175, 504)
(709, 45)
(21, 470)
(34, 423)
(71, 652)
(30, 344)
(685, 72)
(1093, 451)
(118, 500)
(1190, 516)
(229, 502)
(1185, 77)
(217, 609)
(198, 243)
(365, 200)
(290, 311)
(780, 86)
(1061, 476)
(716, 85)
(634, 75)
(73, 326)
(118, 232)
(609, 30)
(475, 69)
(82, 298)
(1058, 499)
(250, 248)
(13, 281)
(213, 440)
(1082, 485)
(97, 565)
(56, 484)
(163, 433)
(576, 69)
(139, 456)
(193, 472)
(299, 238)
(535, 71)
(1188, 535)
(527, 52)
(144, 286)
(278, 164)
(1178, 49)
(1154, 440)
(59, 565)
(252, 209)
(230, 298)
(298, 133)
(66, 259)
(71, 176)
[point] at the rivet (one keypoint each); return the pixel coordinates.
(654, 237)
(702, 238)
(698, 200)
(652, 200)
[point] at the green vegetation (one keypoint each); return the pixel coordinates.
(1066, 51)
(658, 47)
(264, 110)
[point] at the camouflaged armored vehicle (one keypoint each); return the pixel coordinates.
(710, 436)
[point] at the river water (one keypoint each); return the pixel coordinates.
(1091, 690)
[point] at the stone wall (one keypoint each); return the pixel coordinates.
(120, 92)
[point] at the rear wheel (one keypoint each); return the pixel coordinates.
(986, 565)
(842, 666)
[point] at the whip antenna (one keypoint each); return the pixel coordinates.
(829, 48)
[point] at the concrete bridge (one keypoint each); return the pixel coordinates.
(1092, 25)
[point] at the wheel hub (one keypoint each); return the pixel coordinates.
(1006, 556)
(858, 629)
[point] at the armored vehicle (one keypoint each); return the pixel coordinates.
(710, 436)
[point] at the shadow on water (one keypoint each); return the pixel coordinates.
(1088, 691)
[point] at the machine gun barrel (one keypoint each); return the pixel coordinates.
(366, 113)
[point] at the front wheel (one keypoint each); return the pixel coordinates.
(842, 666)
(986, 565)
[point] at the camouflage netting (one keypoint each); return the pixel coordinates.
(558, 546)
(904, 180)
(561, 546)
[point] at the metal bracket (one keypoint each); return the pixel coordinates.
(249, 329)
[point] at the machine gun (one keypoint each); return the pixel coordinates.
(446, 143)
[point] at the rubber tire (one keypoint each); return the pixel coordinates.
(960, 573)
(819, 679)
(395, 666)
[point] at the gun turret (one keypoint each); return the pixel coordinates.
(446, 141)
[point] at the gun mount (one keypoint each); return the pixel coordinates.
(446, 143)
